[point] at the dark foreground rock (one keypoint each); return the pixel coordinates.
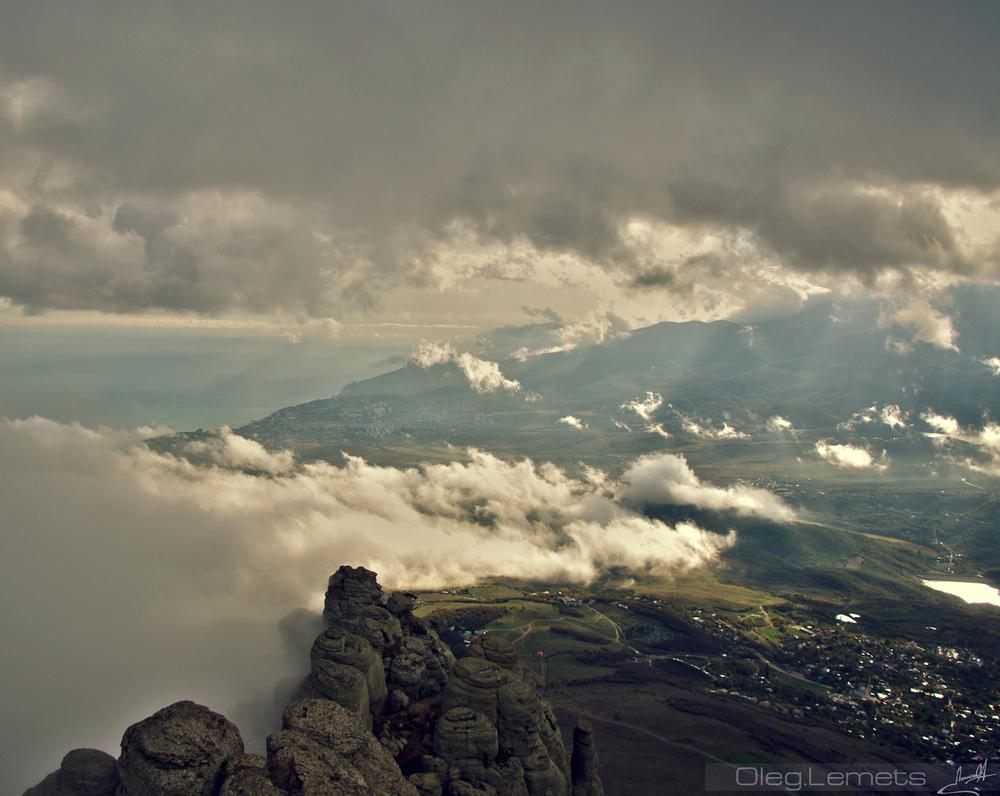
(178, 751)
(384, 711)
(84, 772)
(586, 781)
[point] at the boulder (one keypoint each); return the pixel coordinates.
(84, 772)
(178, 751)
(246, 775)
(325, 749)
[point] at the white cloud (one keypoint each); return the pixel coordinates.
(850, 456)
(483, 376)
(590, 330)
(777, 424)
(985, 443)
(645, 407)
(667, 478)
(227, 449)
(941, 423)
(701, 428)
(164, 578)
(890, 415)
(925, 323)
(993, 363)
(658, 429)
(893, 416)
(573, 422)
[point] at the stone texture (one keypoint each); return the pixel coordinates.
(84, 772)
(496, 649)
(401, 603)
(466, 740)
(324, 749)
(341, 646)
(415, 660)
(474, 683)
(345, 685)
(586, 779)
(526, 728)
(178, 751)
(246, 775)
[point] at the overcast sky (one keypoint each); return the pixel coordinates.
(437, 161)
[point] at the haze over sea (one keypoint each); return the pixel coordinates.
(179, 379)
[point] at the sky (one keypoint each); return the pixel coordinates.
(212, 210)
(318, 164)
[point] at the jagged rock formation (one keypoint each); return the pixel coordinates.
(385, 710)
(586, 780)
(324, 749)
(84, 772)
(348, 649)
(415, 661)
(178, 751)
(506, 696)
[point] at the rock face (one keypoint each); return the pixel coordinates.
(414, 660)
(324, 749)
(246, 775)
(586, 780)
(344, 684)
(84, 772)
(385, 710)
(343, 647)
(178, 751)
(505, 696)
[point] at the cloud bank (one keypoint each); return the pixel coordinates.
(851, 457)
(675, 150)
(667, 479)
(162, 578)
(984, 443)
(483, 376)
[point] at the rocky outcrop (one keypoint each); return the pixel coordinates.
(508, 700)
(246, 775)
(344, 685)
(340, 646)
(323, 748)
(415, 661)
(385, 710)
(84, 772)
(586, 780)
(178, 751)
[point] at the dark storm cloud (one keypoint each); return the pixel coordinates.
(332, 145)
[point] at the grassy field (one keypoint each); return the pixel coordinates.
(705, 589)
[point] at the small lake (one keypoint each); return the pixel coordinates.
(970, 591)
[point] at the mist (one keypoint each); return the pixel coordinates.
(139, 578)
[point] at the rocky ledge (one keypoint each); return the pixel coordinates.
(385, 709)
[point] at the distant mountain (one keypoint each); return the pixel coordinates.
(815, 368)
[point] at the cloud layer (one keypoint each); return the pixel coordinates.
(161, 578)
(483, 376)
(232, 157)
